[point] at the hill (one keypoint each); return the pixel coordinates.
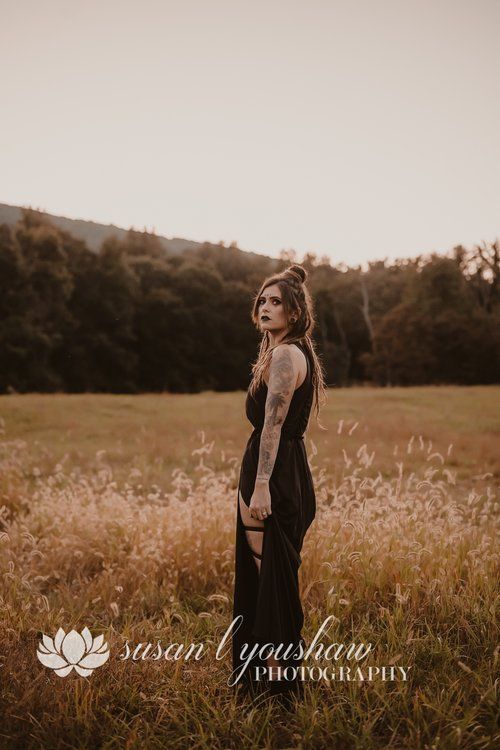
(92, 233)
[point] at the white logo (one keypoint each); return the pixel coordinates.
(73, 651)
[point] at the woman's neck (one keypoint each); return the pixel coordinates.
(275, 339)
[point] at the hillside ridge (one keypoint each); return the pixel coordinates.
(91, 232)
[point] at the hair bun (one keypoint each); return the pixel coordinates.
(298, 271)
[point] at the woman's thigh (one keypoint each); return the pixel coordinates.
(255, 538)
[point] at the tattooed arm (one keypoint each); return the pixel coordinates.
(282, 378)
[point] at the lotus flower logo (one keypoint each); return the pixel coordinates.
(73, 651)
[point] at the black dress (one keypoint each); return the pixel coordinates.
(270, 603)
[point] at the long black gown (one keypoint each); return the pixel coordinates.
(270, 602)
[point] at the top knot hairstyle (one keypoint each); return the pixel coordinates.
(299, 313)
(297, 271)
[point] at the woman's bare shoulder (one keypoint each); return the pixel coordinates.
(297, 356)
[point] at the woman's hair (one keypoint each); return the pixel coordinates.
(297, 303)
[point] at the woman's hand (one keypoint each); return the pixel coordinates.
(260, 502)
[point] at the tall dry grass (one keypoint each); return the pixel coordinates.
(407, 562)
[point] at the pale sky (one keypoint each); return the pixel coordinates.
(357, 129)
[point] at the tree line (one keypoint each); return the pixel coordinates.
(135, 318)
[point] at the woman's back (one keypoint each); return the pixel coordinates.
(297, 417)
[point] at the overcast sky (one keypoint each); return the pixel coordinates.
(357, 129)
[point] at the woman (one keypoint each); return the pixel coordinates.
(276, 499)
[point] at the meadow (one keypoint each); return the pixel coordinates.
(117, 513)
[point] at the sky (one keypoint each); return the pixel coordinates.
(355, 129)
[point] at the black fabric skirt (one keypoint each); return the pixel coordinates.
(267, 605)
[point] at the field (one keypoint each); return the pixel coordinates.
(118, 513)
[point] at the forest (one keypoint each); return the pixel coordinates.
(134, 317)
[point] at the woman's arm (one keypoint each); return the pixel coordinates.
(282, 378)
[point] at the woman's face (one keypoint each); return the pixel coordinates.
(270, 306)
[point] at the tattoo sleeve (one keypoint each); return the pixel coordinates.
(280, 390)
